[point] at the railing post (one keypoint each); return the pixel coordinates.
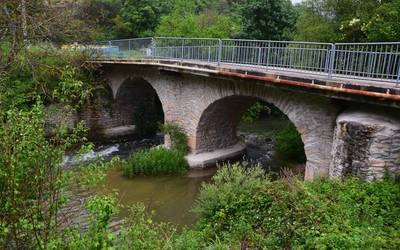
(398, 74)
(109, 49)
(209, 53)
(182, 56)
(268, 55)
(219, 51)
(332, 61)
(153, 48)
(259, 56)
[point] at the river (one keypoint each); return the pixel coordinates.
(172, 197)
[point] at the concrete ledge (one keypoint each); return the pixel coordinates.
(208, 159)
(118, 131)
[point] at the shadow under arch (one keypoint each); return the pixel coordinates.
(139, 104)
(218, 124)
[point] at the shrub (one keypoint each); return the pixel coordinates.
(289, 144)
(155, 161)
(178, 138)
(244, 208)
(32, 184)
(141, 232)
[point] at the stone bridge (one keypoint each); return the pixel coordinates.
(347, 126)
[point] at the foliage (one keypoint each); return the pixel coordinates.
(141, 232)
(348, 21)
(243, 208)
(312, 27)
(31, 180)
(208, 24)
(289, 144)
(136, 19)
(178, 138)
(43, 70)
(101, 14)
(27, 22)
(254, 112)
(384, 24)
(267, 19)
(98, 236)
(155, 161)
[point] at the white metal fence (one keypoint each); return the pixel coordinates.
(372, 61)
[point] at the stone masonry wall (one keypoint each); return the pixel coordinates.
(366, 144)
(198, 105)
(107, 111)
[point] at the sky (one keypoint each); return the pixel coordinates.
(296, 1)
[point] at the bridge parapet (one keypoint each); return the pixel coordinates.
(378, 62)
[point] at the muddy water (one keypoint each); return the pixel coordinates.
(170, 197)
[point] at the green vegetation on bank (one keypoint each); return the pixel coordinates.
(57, 76)
(243, 208)
(178, 138)
(155, 161)
(160, 160)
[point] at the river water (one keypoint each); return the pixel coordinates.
(172, 197)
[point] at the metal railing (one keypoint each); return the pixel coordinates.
(372, 61)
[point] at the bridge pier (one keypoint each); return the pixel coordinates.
(366, 144)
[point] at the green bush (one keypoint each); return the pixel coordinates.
(32, 184)
(57, 76)
(289, 144)
(155, 161)
(142, 233)
(243, 207)
(178, 138)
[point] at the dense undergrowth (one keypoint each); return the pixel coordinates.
(57, 76)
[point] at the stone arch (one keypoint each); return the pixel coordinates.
(186, 98)
(134, 94)
(218, 123)
(313, 117)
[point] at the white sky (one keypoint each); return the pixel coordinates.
(296, 1)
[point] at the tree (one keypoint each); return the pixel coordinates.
(197, 19)
(348, 20)
(207, 24)
(101, 14)
(315, 28)
(267, 19)
(139, 18)
(385, 23)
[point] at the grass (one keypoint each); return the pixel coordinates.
(155, 161)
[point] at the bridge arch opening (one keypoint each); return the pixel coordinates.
(139, 105)
(221, 126)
